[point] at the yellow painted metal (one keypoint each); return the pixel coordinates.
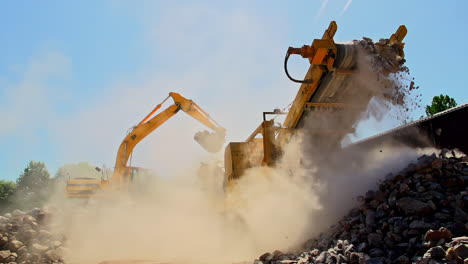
(255, 133)
(138, 133)
(270, 151)
(321, 54)
(240, 156)
(122, 173)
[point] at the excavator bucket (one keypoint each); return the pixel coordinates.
(212, 142)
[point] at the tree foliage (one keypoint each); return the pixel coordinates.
(34, 177)
(33, 185)
(7, 189)
(440, 103)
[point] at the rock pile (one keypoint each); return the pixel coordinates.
(416, 216)
(24, 238)
(388, 57)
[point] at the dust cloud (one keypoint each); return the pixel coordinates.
(191, 218)
(211, 142)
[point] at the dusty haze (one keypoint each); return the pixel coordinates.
(189, 218)
(182, 219)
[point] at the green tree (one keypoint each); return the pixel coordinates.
(7, 189)
(440, 103)
(34, 177)
(33, 185)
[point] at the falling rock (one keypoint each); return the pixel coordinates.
(413, 207)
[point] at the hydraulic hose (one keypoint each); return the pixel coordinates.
(288, 53)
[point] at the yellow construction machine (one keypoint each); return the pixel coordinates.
(123, 174)
(324, 89)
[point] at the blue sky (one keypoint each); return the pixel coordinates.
(74, 76)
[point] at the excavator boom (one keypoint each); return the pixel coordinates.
(137, 134)
(149, 124)
(122, 172)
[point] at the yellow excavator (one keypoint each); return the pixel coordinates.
(123, 174)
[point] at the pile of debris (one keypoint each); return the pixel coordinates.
(388, 57)
(417, 216)
(25, 238)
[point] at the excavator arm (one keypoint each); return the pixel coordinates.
(150, 123)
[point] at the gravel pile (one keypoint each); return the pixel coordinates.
(417, 216)
(25, 238)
